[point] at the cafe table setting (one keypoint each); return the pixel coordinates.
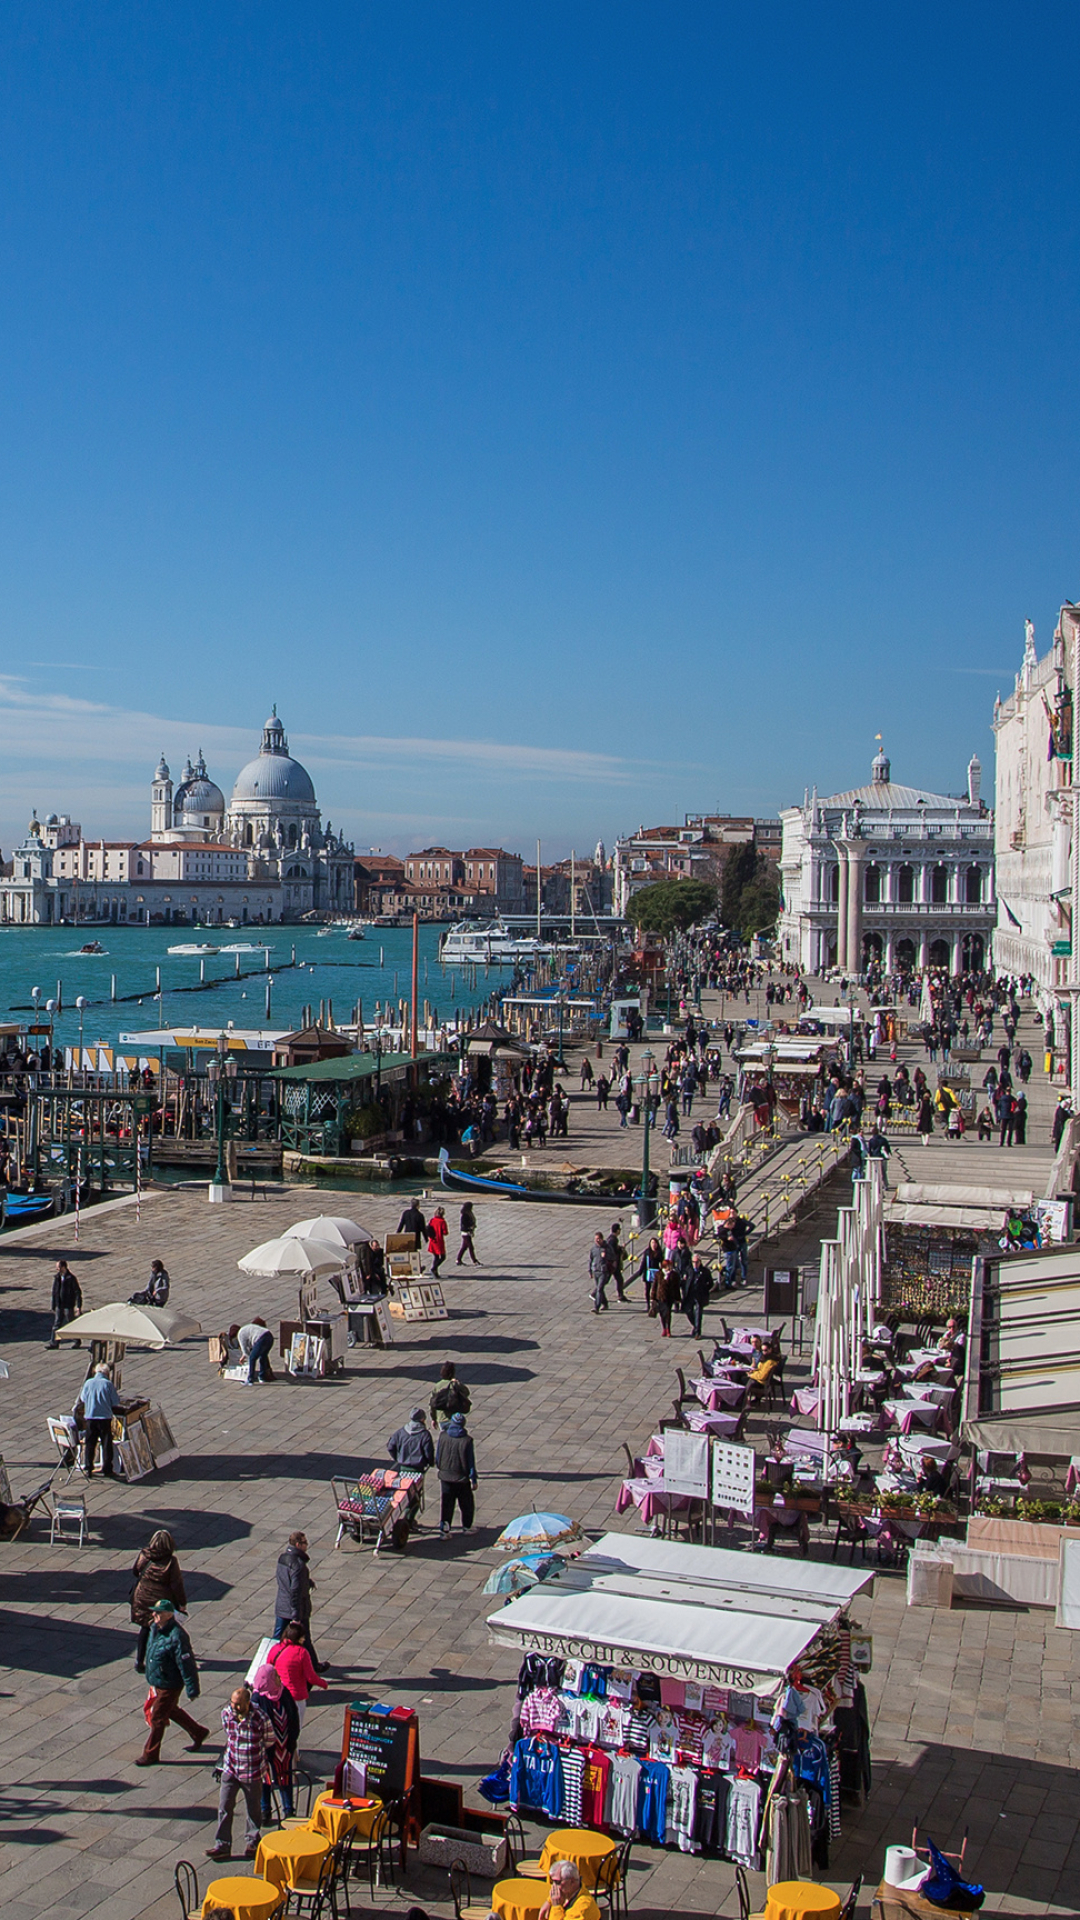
(519, 1899)
(335, 1815)
(801, 1900)
(651, 1498)
(243, 1896)
(580, 1845)
(291, 1857)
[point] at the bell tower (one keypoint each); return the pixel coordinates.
(161, 802)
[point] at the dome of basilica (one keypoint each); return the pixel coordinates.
(274, 775)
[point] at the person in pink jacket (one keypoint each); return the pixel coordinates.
(293, 1662)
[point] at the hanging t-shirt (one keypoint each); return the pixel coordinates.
(594, 1786)
(613, 1718)
(542, 1711)
(693, 1691)
(692, 1728)
(636, 1733)
(620, 1684)
(620, 1807)
(572, 1672)
(536, 1777)
(652, 1801)
(583, 1719)
(672, 1693)
(664, 1738)
(594, 1681)
(682, 1808)
(715, 1699)
(710, 1822)
(749, 1746)
(573, 1773)
(717, 1746)
(812, 1708)
(744, 1802)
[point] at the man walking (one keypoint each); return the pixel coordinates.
(170, 1670)
(412, 1221)
(294, 1590)
(615, 1253)
(599, 1273)
(66, 1302)
(450, 1396)
(696, 1290)
(455, 1459)
(247, 1737)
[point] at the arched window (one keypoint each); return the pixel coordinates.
(939, 885)
(248, 840)
(832, 885)
(973, 886)
(905, 891)
(292, 834)
(873, 884)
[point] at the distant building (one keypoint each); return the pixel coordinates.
(695, 851)
(1033, 822)
(888, 876)
(262, 857)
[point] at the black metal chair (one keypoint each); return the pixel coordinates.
(742, 1886)
(852, 1532)
(611, 1881)
(186, 1882)
(316, 1899)
(518, 1862)
(376, 1850)
(341, 1854)
(465, 1908)
(303, 1788)
(847, 1911)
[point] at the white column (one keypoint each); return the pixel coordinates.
(841, 905)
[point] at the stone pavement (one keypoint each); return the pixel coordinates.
(974, 1710)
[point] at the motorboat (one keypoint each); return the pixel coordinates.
(92, 946)
(487, 944)
(244, 946)
(193, 950)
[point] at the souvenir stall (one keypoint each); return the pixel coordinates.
(696, 1697)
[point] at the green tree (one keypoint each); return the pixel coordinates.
(670, 906)
(749, 893)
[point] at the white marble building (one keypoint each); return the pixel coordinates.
(1033, 823)
(888, 875)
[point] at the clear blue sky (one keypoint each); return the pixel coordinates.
(569, 415)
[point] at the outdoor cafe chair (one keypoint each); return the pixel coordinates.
(316, 1898)
(611, 1881)
(517, 1864)
(186, 1882)
(303, 1786)
(851, 1899)
(376, 1849)
(465, 1908)
(742, 1886)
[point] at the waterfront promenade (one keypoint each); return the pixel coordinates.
(974, 1710)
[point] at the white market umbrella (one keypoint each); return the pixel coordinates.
(134, 1326)
(295, 1258)
(332, 1230)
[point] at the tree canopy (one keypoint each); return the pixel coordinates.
(670, 906)
(749, 894)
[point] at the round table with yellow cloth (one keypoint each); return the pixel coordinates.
(248, 1899)
(801, 1900)
(580, 1845)
(291, 1857)
(335, 1821)
(518, 1899)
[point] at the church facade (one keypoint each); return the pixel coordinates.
(889, 877)
(261, 857)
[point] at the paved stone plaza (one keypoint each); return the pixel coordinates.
(974, 1709)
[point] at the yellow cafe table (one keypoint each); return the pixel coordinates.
(291, 1857)
(801, 1900)
(518, 1899)
(248, 1899)
(334, 1816)
(580, 1845)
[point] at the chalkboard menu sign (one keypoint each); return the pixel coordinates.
(385, 1742)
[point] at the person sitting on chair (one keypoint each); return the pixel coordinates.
(156, 1291)
(567, 1899)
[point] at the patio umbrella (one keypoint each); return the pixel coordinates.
(291, 1257)
(134, 1326)
(540, 1531)
(332, 1230)
(515, 1575)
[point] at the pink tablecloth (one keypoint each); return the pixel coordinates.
(910, 1413)
(806, 1400)
(718, 1393)
(720, 1424)
(649, 1499)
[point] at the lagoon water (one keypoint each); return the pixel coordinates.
(330, 967)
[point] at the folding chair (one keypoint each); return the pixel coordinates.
(742, 1885)
(64, 1435)
(67, 1506)
(316, 1900)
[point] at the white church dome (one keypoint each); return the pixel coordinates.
(274, 775)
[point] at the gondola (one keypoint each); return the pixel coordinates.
(485, 1183)
(19, 1209)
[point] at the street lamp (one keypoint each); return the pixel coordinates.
(50, 1008)
(221, 1073)
(645, 1207)
(80, 1002)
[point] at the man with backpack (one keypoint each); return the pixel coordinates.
(450, 1396)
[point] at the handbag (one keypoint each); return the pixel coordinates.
(148, 1707)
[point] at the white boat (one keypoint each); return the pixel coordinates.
(246, 946)
(476, 943)
(192, 949)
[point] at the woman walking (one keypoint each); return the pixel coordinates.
(278, 1709)
(666, 1290)
(468, 1228)
(156, 1576)
(437, 1240)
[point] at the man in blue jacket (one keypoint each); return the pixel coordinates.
(100, 1401)
(170, 1670)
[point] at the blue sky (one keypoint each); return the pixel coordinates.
(569, 416)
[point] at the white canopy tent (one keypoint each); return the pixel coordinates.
(691, 1613)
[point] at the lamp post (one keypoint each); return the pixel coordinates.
(221, 1072)
(81, 1004)
(50, 1008)
(645, 1207)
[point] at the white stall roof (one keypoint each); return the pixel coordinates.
(692, 1613)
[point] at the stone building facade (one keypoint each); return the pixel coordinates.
(1033, 810)
(888, 876)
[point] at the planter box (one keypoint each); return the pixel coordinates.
(485, 1854)
(1039, 1539)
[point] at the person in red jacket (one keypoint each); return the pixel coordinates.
(436, 1239)
(292, 1661)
